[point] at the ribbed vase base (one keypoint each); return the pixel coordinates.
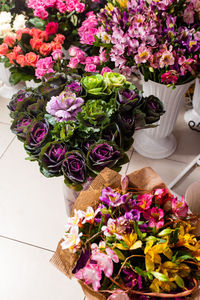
(154, 148)
(191, 116)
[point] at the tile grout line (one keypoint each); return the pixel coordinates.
(5, 123)
(7, 147)
(28, 244)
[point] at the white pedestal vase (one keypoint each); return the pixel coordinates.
(70, 195)
(159, 142)
(6, 89)
(192, 116)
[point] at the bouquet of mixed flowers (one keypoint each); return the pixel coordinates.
(128, 243)
(77, 126)
(161, 39)
(68, 14)
(31, 53)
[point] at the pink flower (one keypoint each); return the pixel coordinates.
(105, 70)
(103, 57)
(75, 51)
(104, 262)
(73, 63)
(57, 54)
(51, 28)
(41, 13)
(188, 15)
(144, 201)
(155, 216)
(91, 68)
(167, 59)
(179, 208)
(91, 274)
(119, 295)
(143, 55)
(80, 7)
(43, 66)
(169, 78)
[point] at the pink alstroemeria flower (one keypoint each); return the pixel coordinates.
(155, 216)
(119, 295)
(91, 274)
(179, 208)
(144, 201)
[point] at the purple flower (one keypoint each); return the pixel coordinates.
(36, 136)
(74, 168)
(65, 106)
(134, 214)
(103, 155)
(110, 197)
(75, 87)
(52, 156)
(130, 277)
(127, 96)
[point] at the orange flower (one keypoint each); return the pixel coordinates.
(31, 59)
(21, 31)
(4, 49)
(17, 49)
(35, 32)
(9, 40)
(44, 35)
(36, 43)
(21, 60)
(56, 46)
(59, 38)
(45, 49)
(12, 56)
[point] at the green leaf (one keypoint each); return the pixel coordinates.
(164, 232)
(38, 23)
(119, 254)
(179, 281)
(160, 276)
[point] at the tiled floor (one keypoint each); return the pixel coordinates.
(32, 213)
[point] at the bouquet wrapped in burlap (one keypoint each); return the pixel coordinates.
(146, 180)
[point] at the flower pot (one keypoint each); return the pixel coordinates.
(32, 84)
(70, 195)
(192, 116)
(7, 90)
(159, 142)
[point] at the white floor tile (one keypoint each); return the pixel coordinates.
(6, 137)
(32, 207)
(4, 111)
(26, 273)
(188, 140)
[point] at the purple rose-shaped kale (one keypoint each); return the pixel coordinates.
(36, 136)
(20, 124)
(129, 99)
(18, 97)
(104, 154)
(75, 87)
(112, 133)
(74, 169)
(65, 106)
(51, 158)
(154, 109)
(126, 122)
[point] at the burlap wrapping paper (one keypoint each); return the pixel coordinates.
(145, 179)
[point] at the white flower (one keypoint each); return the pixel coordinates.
(5, 17)
(75, 220)
(5, 29)
(72, 239)
(89, 215)
(19, 22)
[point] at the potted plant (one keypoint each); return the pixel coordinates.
(75, 126)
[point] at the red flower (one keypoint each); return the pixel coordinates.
(36, 43)
(4, 49)
(51, 28)
(9, 40)
(45, 49)
(12, 56)
(56, 46)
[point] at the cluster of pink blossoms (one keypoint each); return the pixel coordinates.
(63, 6)
(88, 29)
(91, 63)
(157, 37)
